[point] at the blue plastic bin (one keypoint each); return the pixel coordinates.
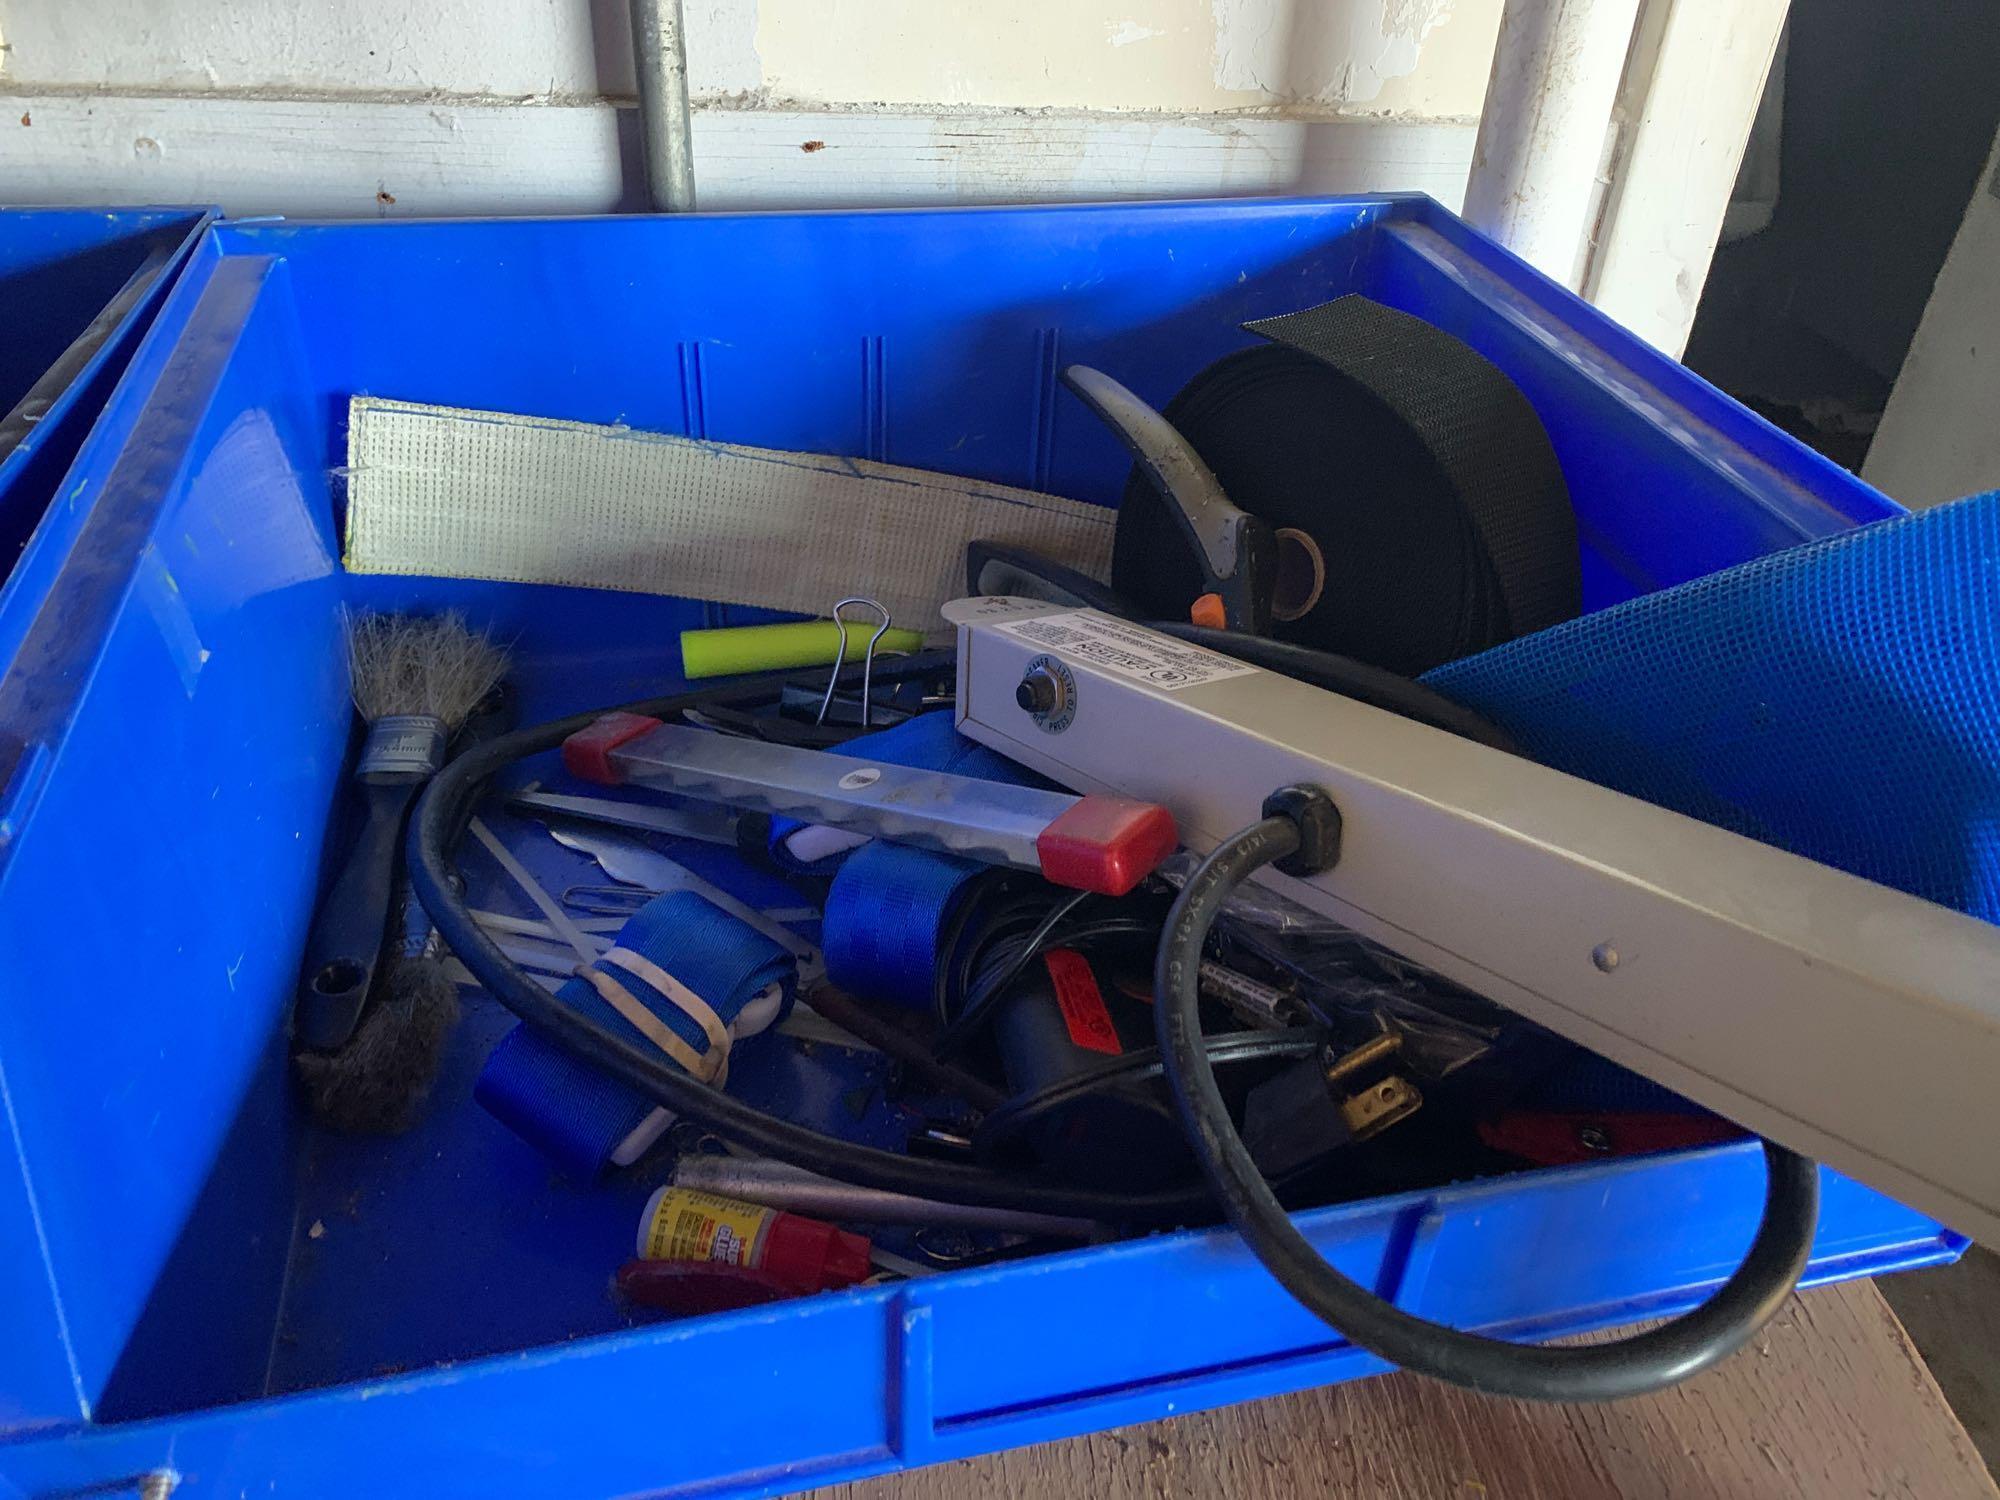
(197, 1282)
(78, 287)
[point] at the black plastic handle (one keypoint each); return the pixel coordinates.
(1236, 551)
(347, 933)
(996, 568)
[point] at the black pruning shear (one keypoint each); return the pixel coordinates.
(1237, 552)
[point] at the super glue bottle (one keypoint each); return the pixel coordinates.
(806, 1254)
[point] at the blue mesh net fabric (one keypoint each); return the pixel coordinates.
(1840, 699)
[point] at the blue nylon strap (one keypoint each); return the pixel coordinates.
(889, 905)
(1839, 699)
(574, 1113)
(885, 920)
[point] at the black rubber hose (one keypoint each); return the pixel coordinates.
(1376, 686)
(453, 792)
(1633, 1366)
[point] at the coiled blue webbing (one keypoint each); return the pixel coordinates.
(890, 906)
(886, 919)
(576, 1114)
(1596, 1085)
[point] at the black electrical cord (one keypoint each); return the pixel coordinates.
(1376, 686)
(1002, 1125)
(1010, 957)
(1032, 912)
(1633, 1366)
(1005, 961)
(452, 793)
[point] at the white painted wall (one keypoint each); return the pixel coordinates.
(1939, 438)
(347, 108)
(455, 106)
(1421, 58)
(1692, 84)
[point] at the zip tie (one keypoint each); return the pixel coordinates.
(898, 1265)
(500, 921)
(549, 959)
(558, 918)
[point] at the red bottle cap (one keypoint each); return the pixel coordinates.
(812, 1256)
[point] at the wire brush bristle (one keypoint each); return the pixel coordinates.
(416, 664)
(378, 1082)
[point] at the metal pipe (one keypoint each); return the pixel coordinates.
(659, 51)
(1556, 69)
(776, 1184)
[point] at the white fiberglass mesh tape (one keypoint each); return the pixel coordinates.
(441, 492)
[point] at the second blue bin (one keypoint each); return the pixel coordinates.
(78, 287)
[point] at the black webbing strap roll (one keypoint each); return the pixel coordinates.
(1437, 516)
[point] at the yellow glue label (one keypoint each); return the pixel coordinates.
(681, 1224)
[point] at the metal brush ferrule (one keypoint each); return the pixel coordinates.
(403, 746)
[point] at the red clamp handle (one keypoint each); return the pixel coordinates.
(1106, 844)
(587, 753)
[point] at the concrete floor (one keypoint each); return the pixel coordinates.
(1953, 1317)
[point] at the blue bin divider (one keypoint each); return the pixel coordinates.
(184, 730)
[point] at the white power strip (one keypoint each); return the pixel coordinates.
(1850, 1022)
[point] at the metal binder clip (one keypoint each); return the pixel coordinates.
(867, 657)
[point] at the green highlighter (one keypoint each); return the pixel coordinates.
(772, 648)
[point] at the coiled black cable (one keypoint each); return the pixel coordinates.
(452, 793)
(982, 923)
(1632, 1366)
(1375, 686)
(1009, 959)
